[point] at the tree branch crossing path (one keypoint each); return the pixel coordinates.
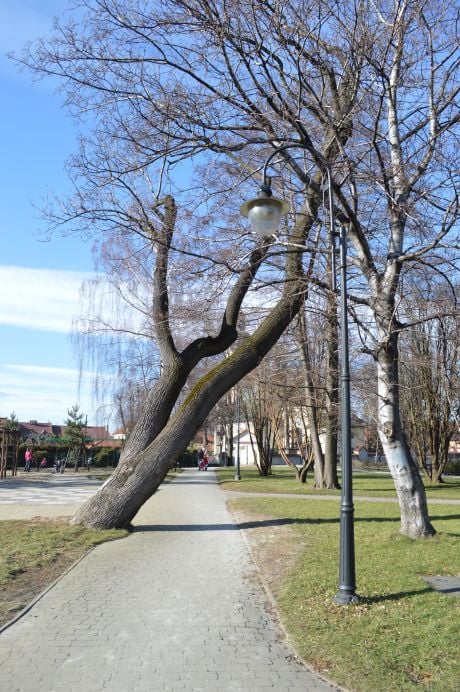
(178, 605)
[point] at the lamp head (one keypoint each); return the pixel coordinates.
(264, 212)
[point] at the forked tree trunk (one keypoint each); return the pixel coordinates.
(135, 480)
(177, 366)
(415, 522)
(157, 407)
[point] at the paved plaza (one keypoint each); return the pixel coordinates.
(177, 605)
(53, 489)
(44, 494)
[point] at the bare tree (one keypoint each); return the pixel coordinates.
(368, 88)
(319, 357)
(161, 432)
(430, 392)
(262, 419)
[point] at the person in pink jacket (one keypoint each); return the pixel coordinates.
(28, 456)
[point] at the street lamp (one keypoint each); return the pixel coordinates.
(264, 213)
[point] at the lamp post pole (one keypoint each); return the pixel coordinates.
(347, 582)
(237, 469)
(265, 213)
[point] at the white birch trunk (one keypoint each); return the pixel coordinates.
(415, 521)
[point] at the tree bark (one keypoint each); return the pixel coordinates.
(415, 521)
(311, 404)
(330, 479)
(136, 479)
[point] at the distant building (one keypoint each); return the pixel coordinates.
(120, 434)
(36, 431)
(204, 439)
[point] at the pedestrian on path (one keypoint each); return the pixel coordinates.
(28, 456)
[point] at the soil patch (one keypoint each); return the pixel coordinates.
(26, 586)
(273, 548)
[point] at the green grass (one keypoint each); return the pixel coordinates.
(402, 635)
(364, 483)
(27, 544)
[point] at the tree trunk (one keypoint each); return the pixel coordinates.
(279, 444)
(135, 479)
(157, 407)
(415, 521)
(331, 479)
(311, 405)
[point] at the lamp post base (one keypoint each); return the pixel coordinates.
(237, 477)
(344, 598)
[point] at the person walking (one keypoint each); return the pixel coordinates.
(28, 456)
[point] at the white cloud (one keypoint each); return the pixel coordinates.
(45, 394)
(44, 299)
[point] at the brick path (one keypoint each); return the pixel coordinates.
(175, 606)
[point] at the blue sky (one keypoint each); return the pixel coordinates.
(39, 279)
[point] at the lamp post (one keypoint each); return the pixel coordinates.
(264, 213)
(238, 415)
(347, 580)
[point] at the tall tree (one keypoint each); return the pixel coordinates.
(368, 88)
(75, 434)
(160, 435)
(319, 356)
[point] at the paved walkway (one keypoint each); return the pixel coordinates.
(25, 495)
(175, 606)
(47, 489)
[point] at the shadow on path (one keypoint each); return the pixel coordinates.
(269, 523)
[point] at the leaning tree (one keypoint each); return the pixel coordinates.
(368, 90)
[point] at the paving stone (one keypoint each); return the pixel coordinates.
(448, 585)
(174, 606)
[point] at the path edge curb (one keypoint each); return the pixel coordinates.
(274, 605)
(43, 593)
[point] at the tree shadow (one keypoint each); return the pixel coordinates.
(444, 517)
(183, 527)
(263, 523)
(255, 524)
(441, 488)
(267, 523)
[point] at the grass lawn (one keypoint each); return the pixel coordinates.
(33, 553)
(402, 635)
(364, 483)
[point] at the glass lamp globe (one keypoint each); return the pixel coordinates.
(264, 213)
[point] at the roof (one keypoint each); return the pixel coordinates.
(36, 429)
(112, 444)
